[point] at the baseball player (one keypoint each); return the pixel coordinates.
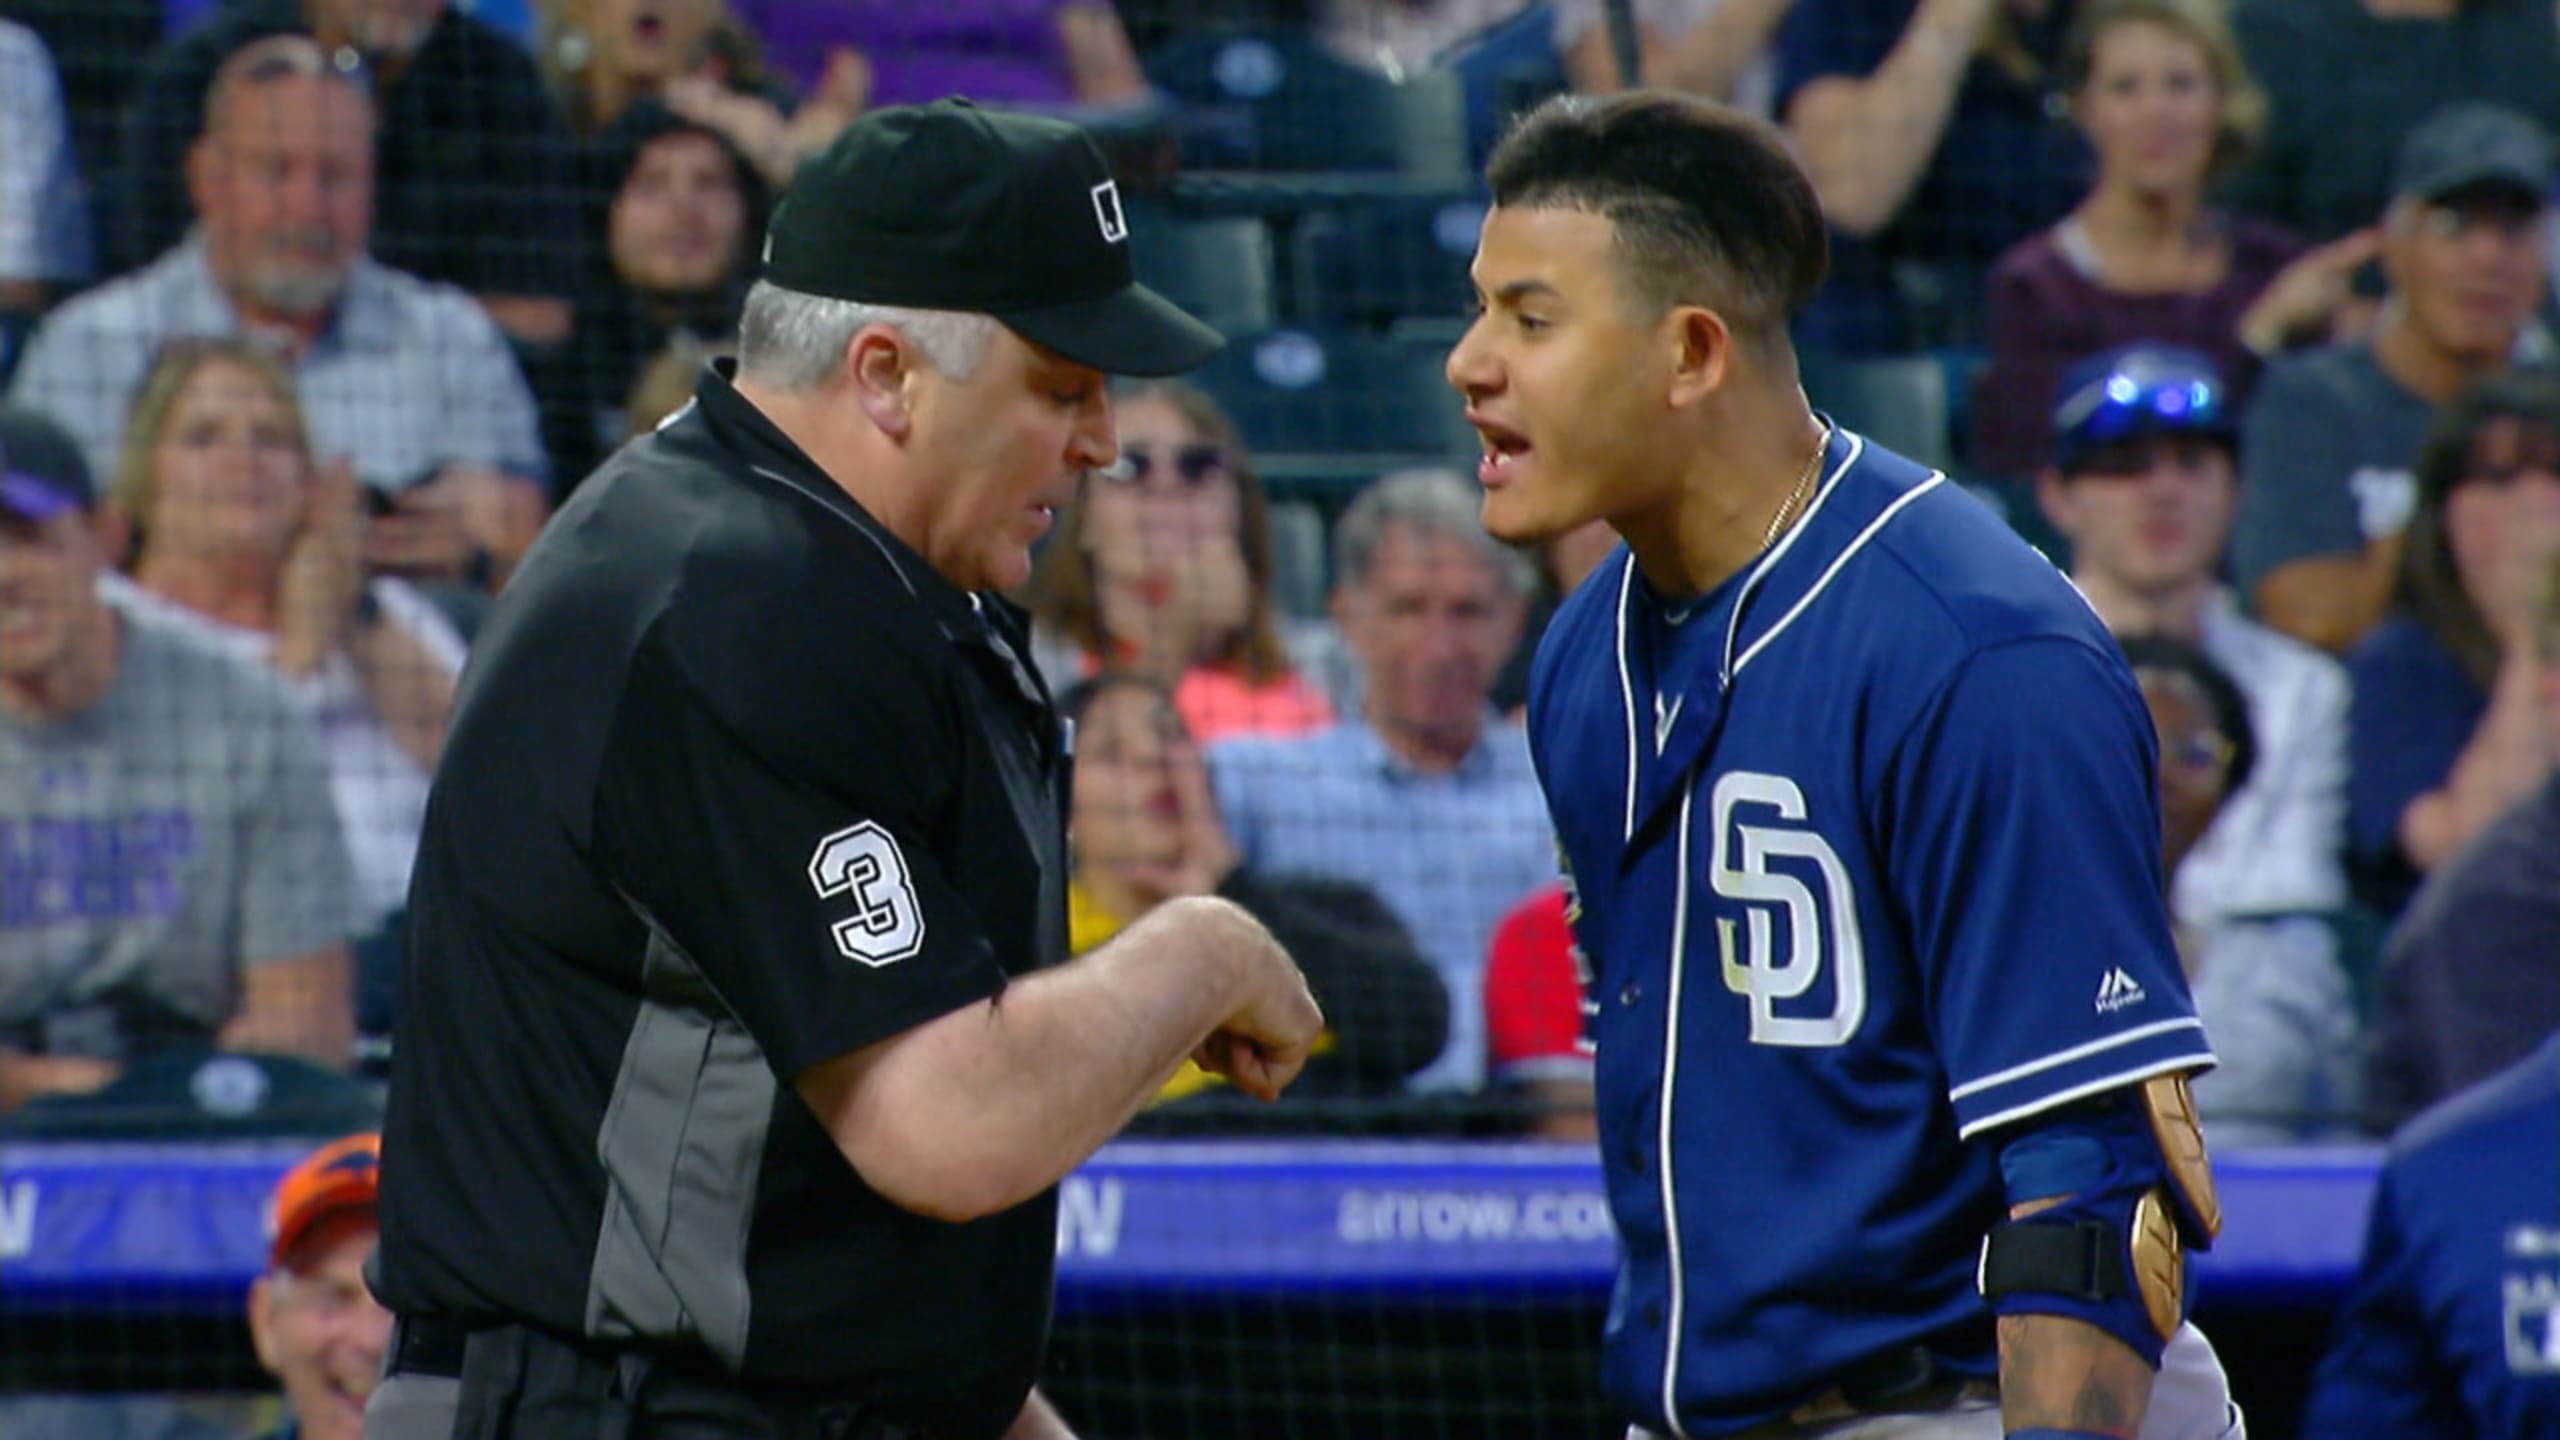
(2453, 1330)
(1856, 800)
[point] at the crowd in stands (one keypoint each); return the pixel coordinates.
(312, 311)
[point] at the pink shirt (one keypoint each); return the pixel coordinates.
(1215, 702)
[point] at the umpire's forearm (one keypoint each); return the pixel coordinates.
(2063, 1374)
(982, 1108)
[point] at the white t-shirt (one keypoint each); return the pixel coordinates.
(381, 792)
(2279, 841)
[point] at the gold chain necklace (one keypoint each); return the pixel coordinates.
(1796, 495)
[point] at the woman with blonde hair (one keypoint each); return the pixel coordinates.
(1163, 567)
(237, 526)
(2159, 90)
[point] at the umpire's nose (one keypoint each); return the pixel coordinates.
(1094, 443)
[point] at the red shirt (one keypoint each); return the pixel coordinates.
(1533, 993)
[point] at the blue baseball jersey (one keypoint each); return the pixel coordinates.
(2453, 1329)
(1865, 856)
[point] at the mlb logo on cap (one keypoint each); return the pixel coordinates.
(1106, 208)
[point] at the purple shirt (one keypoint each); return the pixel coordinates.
(2048, 309)
(1006, 51)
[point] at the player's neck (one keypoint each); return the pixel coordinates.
(1754, 465)
(2173, 610)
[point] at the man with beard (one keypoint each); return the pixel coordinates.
(471, 157)
(410, 382)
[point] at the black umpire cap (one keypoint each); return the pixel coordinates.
(949, 206)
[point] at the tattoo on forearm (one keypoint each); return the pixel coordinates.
(2066, 1375)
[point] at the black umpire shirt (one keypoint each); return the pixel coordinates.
(735, 784)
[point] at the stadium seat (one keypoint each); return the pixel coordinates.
(1279, 102)
(1503, 70)
(1297, 558)
(1256, 101)
(203, 1095)
(1431, 130)
(1218, 269)
(1385, 261)
(1297, 392)
(1899, 401)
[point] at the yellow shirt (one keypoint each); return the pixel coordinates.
(1088, 925)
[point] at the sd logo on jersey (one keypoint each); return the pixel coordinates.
(1822, 932)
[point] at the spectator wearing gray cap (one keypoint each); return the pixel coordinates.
(2331, 434)
(176, 876)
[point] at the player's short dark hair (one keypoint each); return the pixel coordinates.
(2222, 697)
(1709, 207)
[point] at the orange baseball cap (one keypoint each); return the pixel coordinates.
(341, 1176)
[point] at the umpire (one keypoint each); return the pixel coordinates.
(739, 1058)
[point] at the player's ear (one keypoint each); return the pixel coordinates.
(881, 369)
(1701, 349)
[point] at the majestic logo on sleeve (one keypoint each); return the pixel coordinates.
(2117, 991)
(863, 861)
(1106, 209)
(1821, 929)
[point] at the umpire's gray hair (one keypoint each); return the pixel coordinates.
(793, 341)
(1431, 501)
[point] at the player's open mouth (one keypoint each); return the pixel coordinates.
(1503, 447)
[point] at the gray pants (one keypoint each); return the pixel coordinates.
(2190, 1400)
(412, 1407)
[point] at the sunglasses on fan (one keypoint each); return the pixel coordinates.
(1194, 465)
